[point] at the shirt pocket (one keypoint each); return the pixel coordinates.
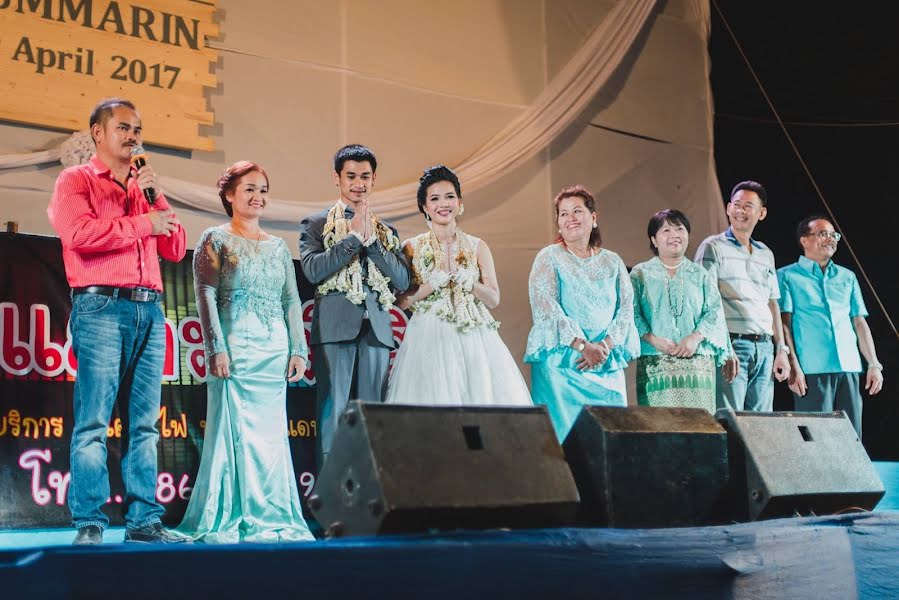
(838, 293)
(761, 275)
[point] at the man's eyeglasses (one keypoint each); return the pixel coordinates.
(823, 234)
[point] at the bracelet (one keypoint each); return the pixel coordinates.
(580, 347)
(877, 366)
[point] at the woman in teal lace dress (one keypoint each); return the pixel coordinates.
(255, 342)
(680, 318)
(582, 304)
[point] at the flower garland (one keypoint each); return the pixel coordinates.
(349, 279)
(452, 298)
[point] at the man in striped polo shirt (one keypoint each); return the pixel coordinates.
(744, 271)
(112, 233)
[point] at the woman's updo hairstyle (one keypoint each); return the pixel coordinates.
(431, 176)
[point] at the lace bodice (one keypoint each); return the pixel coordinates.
(587, 298)
(452, 299)
(233, 274)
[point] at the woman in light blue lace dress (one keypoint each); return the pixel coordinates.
(679, 315)
(250, 310)
(582, 304)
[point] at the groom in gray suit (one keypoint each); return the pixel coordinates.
(356, 263)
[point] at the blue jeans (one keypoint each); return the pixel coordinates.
(120, 347)
(753, 387)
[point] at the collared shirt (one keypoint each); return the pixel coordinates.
(747, 281)
(107, 239)
(822, 304)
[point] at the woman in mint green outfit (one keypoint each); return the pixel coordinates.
(678, 311)
(582, 305)
(250, 310)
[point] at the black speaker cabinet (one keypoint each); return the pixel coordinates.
(647, 467)
(398, 468)
(797, 463)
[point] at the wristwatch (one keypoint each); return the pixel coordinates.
(783, 348)
(580, 346)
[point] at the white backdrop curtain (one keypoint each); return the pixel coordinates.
(555, 109)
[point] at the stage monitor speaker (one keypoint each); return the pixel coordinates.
(398, 468)
(784, 464)
(647, 467)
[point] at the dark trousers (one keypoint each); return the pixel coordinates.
(828, 392)
(362, 361)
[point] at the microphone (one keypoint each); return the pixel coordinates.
(139, 159)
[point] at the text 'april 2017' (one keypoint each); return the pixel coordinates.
(83, 61)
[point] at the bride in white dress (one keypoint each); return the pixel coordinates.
(451, 354)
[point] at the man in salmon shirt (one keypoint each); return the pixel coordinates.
(111, 239)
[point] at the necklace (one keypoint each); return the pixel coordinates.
(570, 251)
(676, 300)
(447, 251)
(243, 234)
(675, 267)
(450, 239)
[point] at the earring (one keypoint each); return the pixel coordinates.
(594, 226)
(427, 217)
(461, 209)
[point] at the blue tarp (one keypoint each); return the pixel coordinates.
(819, 558)
(850, 556)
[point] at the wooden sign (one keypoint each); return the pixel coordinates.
(58, 58)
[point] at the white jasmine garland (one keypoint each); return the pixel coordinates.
(452, 299)
(348, 280)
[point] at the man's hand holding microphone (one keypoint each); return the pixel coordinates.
(164, 222)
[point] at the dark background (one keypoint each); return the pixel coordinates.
(832, 73)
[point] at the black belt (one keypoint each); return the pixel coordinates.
(752, 337)
(138, 294)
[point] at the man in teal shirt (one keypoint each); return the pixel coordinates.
(824, 324)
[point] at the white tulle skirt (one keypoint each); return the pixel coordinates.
(436, 365)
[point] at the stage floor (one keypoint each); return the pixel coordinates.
(817, 558)
(43, 538)
(848, 556)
